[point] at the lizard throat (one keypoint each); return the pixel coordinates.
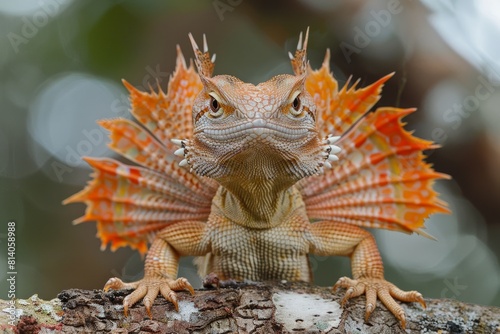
(260, 210)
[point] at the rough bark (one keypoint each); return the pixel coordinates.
(249, 308)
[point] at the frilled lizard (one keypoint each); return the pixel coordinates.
(259, 182)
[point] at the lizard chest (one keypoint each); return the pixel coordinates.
(260, 254)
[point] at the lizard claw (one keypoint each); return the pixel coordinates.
(148, 289)
(379, 288)
(117, 284)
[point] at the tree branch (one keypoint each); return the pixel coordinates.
(269, 307)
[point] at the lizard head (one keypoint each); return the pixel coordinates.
(266, 131)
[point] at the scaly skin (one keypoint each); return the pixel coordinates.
(259, 184)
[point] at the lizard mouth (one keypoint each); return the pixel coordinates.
(257, 128)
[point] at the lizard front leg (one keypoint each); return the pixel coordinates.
(162, 261)
(329, 238)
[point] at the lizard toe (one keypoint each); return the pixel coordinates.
(379, 288)
(371, 301)
(407, 296)
(343, 282)
(181, 284)
(391, 304)
(353, 288)
(169, 295)
(117, 284)
(134, 297)
(149, 298)
(148, 289)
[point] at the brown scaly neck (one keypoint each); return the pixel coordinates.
(256, 204)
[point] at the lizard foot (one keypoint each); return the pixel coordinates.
(148, 288)
(384, 290)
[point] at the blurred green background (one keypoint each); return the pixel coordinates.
(61, 62)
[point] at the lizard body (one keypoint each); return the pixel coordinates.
(255, 185)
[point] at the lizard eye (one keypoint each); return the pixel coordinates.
(296, 103)
(214, 105)
(296, 106)
(215, 108)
